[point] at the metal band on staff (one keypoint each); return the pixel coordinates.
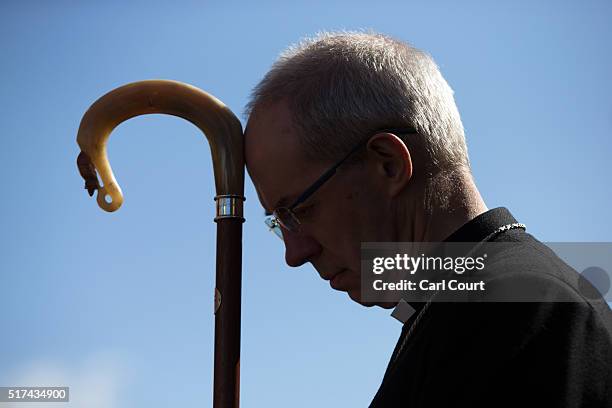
(229, 206)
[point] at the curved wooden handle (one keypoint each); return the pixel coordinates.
(221, 127)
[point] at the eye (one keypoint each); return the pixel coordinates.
(304, 212)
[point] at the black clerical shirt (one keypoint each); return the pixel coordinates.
(549, 353)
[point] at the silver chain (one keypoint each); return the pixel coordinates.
(421, 313)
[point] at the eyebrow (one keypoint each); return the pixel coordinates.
(282, 202)
(266, 212)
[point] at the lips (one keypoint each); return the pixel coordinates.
(336, 280)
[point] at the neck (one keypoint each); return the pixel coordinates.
(454, 201)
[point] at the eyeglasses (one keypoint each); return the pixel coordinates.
(285, 216)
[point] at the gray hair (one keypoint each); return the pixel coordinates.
(343, 86)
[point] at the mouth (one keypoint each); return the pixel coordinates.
(336, 280)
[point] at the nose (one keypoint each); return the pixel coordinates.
(299, 248)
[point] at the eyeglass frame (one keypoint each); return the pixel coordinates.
(273, 222)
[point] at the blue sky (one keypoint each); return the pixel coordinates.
(119, 306)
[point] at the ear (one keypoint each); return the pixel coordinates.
(391, 161)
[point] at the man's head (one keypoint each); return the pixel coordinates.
(328, 95)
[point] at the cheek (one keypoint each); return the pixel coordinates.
(338, 232)
(353, 218)
(369, 215)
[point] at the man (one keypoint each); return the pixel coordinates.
(355, 137)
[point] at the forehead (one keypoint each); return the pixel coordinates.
(273, 155)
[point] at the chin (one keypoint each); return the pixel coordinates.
(357, 298)
(387, 305)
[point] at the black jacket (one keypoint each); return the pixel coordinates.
(481, 354)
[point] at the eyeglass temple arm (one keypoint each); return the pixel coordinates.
(329, 173)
